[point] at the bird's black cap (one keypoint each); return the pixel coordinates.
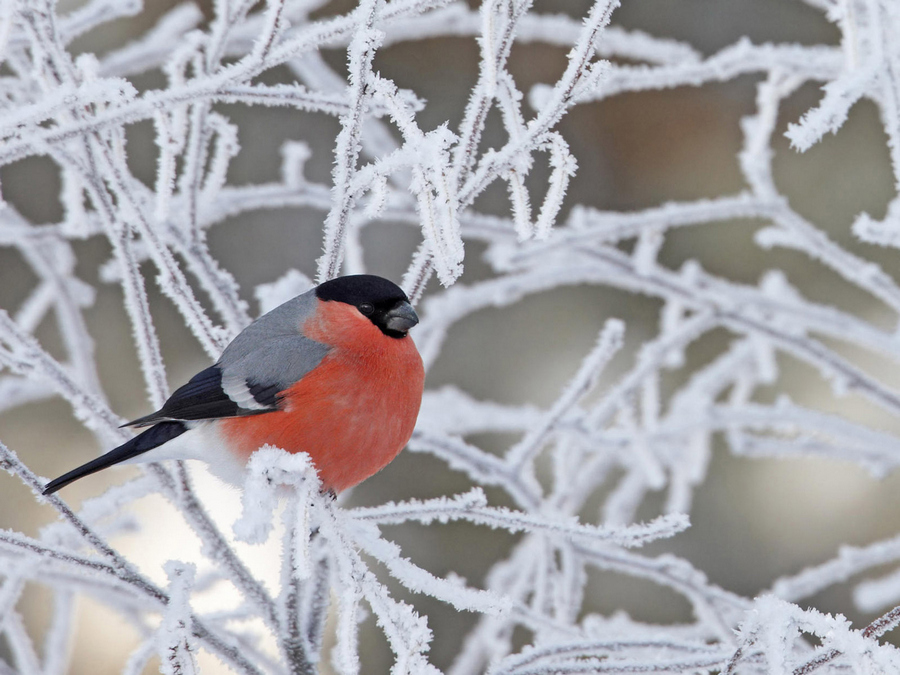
(383, 302)
(357, 289)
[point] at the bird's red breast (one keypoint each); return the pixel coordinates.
(354, 412)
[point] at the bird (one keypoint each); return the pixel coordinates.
(332, 372)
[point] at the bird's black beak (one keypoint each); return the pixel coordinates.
(401, 318)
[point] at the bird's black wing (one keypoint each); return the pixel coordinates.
(204, 398)
(265, 359)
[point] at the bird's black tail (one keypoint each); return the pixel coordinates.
(151, 438)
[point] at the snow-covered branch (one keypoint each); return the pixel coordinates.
(585, 476)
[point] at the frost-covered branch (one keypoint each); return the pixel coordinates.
(586, 478)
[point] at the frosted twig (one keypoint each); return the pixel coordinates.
(360, 55)
(608, 343)
(118, 565)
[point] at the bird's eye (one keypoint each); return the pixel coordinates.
(366, 308)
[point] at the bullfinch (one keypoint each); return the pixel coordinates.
(332, 372)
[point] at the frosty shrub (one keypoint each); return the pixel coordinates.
(612, 463)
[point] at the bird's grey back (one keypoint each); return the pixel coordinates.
(272, 350)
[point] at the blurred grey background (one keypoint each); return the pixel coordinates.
(753, 520)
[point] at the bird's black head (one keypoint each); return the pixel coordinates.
(381, 301)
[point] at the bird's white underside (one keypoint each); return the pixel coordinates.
(201, 441)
